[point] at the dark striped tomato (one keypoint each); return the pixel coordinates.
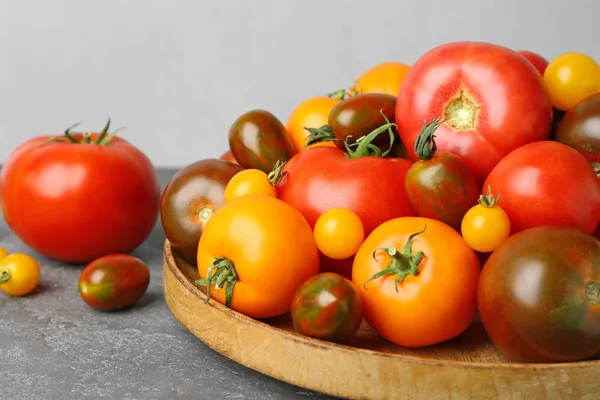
(258, 140)
(440, 185)
(114, 282)
(327, 306)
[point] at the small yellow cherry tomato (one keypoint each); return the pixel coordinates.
(485, 226)
(249, 181)
(3, 253)
(339, 232)
(19, 274)
(570, 78)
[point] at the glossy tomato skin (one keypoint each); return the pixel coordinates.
(310, 113)
(580, 129)
(442, 188)
(547, 183)
(435, 304)
(270, 246)
(385, 77)
(322, 178)
(114, 282)
(258, 140)
(538, 295)
(76, 202)
(359, 115)
(189, 201)
(327, 306)
(491, 98)
(539, 62)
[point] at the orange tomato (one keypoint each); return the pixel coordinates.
(311, 113)
(339, 232)
(418, 281)
(19, 274)
(570, 78)
(257, 250)
(485, 226)
(386, 77)
(249, 181)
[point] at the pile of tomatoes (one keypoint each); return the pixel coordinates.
(415, 200)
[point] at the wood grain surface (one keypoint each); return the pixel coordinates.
(369, 367)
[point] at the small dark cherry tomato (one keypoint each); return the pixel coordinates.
(190, 199)
(114, 282)
(258, 140)
(327, 306)
(228, 156)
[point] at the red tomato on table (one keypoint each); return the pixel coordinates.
(491, 99)
(75, 200)
(547, 183)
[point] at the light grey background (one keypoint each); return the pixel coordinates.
(178, 73)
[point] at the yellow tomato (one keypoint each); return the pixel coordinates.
(311, 113)
(570, 78)
(3, 253)
(249, 181)
(339, 232)
(19, 274)
(386, 77)
(485, 226)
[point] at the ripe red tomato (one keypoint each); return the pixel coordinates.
(491, 98)
(321, 178)
(547, 183)
(75, 200)
(539, 62)
(538, 295)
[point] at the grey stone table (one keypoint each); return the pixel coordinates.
(54, 346)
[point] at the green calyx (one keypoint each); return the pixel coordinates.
(4, 277)
(221, 273)
(364, 147)
(277, 173)
(340, 94)
(319, 135)
(402, 263)
(102, 139)
(489, 200)
(425, 146)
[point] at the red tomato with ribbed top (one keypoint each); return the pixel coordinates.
(492, 101)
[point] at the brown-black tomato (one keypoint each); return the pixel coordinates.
(190, 199)
(539, 295)
(114, 282)
(440, 185)
(355, 117)
(327, 306)
(258, 140)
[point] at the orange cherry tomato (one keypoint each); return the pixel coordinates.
(485, 226)
(311, 113)
(249, 181)
(386, 77)
(339, 232)
(418, 281)
(257, 251)
(19, 274)
(570, 78)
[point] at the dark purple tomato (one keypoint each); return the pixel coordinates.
(580, 129)
(440, 185)
(539, 295)
(114, 282)
(190, 199)
(257, 139)
(327, 306)
(355, 117)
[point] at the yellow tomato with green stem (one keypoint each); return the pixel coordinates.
(570, 78)
(253, 181)
(485, 226)
(19, 274)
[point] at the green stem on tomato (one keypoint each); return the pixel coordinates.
(364, 146)
(402, 263)
(277, 173)
(102, 134)
(338, 94)
(319, 135)
(489, 200)
(4, 277)
(221, 273)
(425, 146)
(102, 139)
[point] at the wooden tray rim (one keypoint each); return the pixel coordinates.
(329, 346)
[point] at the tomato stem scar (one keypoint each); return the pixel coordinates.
(461, 112)
(402, 263)
(592, 292)
(4, 277)
(224, 276)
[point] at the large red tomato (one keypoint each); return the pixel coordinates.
(547, 183)
(79, 196)
(492, 101)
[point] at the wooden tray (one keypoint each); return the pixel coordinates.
(466, 368)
